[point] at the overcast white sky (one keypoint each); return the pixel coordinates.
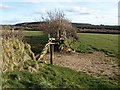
(80, 11)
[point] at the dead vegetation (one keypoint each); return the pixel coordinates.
(16, 54)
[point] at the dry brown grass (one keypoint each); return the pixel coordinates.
(16, 54)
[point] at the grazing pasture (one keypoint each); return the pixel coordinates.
(87, 43)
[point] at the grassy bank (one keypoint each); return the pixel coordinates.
(51, 76)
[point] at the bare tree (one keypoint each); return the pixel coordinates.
(58, 26)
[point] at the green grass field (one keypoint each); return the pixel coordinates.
(87, 42)
(107, 43)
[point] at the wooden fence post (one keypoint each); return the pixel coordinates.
(51, 54)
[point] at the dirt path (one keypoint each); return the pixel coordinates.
(97, 63)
